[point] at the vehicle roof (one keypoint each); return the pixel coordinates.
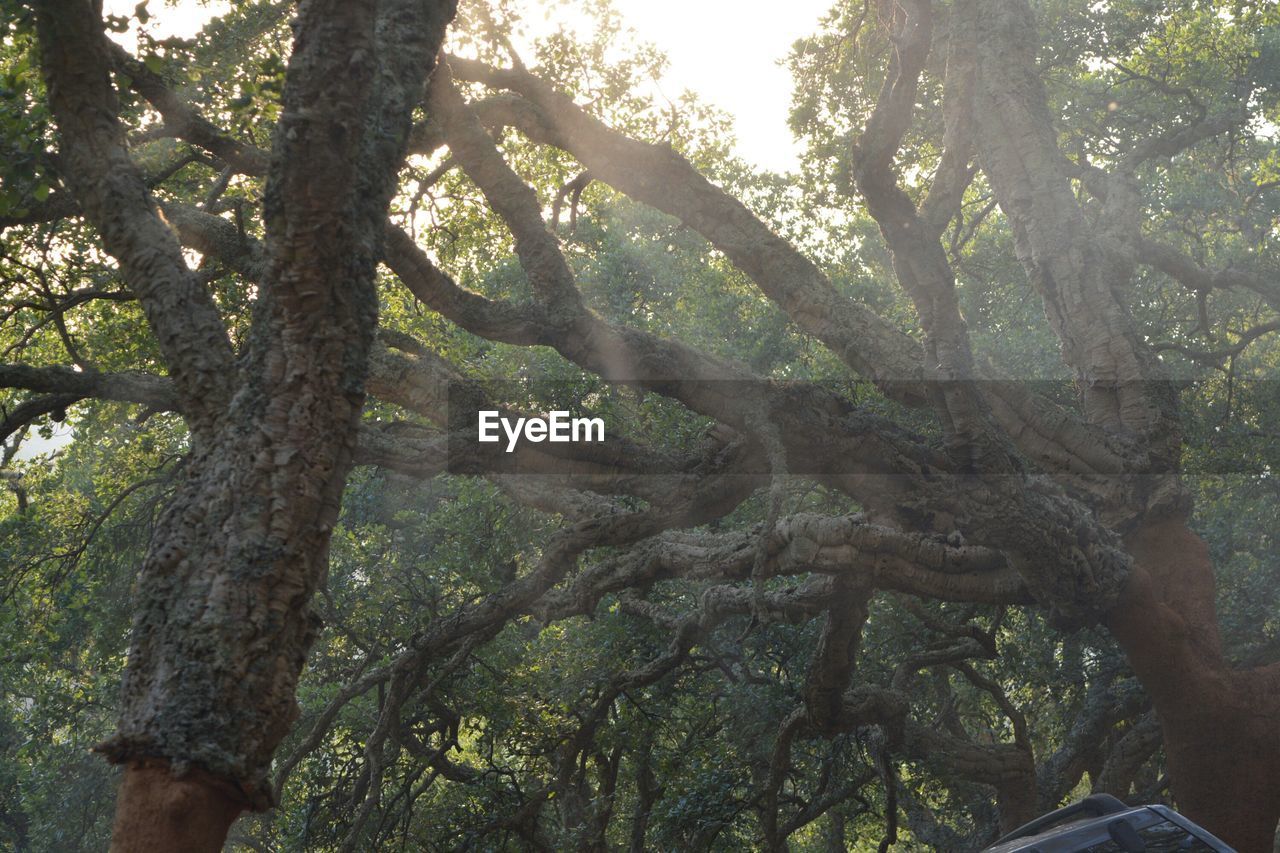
(1072, 835)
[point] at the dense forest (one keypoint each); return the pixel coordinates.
(939, 486)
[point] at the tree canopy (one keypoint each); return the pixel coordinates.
(940, 479)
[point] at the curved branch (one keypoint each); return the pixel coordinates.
(112, 193)
(661, 178)
(1184, 269)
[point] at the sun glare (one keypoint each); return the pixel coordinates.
(738, 71)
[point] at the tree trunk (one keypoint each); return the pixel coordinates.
(157, 811)
(222, 622)
(1221, 726)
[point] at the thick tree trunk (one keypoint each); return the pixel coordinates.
(1221, 726)
(157, 811)
(222, 622)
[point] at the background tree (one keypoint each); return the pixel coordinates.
(898, 530)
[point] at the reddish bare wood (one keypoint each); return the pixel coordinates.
(157, 811)
(1221, 725)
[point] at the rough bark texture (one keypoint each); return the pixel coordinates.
(1219, 724)
(1027, 501)
(1063, 256)
(223, 624)
(113, 195)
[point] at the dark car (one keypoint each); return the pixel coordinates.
(1103, 824)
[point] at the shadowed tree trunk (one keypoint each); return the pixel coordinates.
(223, 621)
(1221, 725)
(1023, 502)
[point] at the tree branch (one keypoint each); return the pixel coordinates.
(113, 195)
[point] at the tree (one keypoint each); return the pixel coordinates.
(222, 625)
(825, 479)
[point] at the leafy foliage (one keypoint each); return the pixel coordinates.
(686, 757)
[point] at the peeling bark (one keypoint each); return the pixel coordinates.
(157, 810)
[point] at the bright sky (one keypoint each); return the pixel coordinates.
(728, 52)
(725, 50)
(722, 49)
